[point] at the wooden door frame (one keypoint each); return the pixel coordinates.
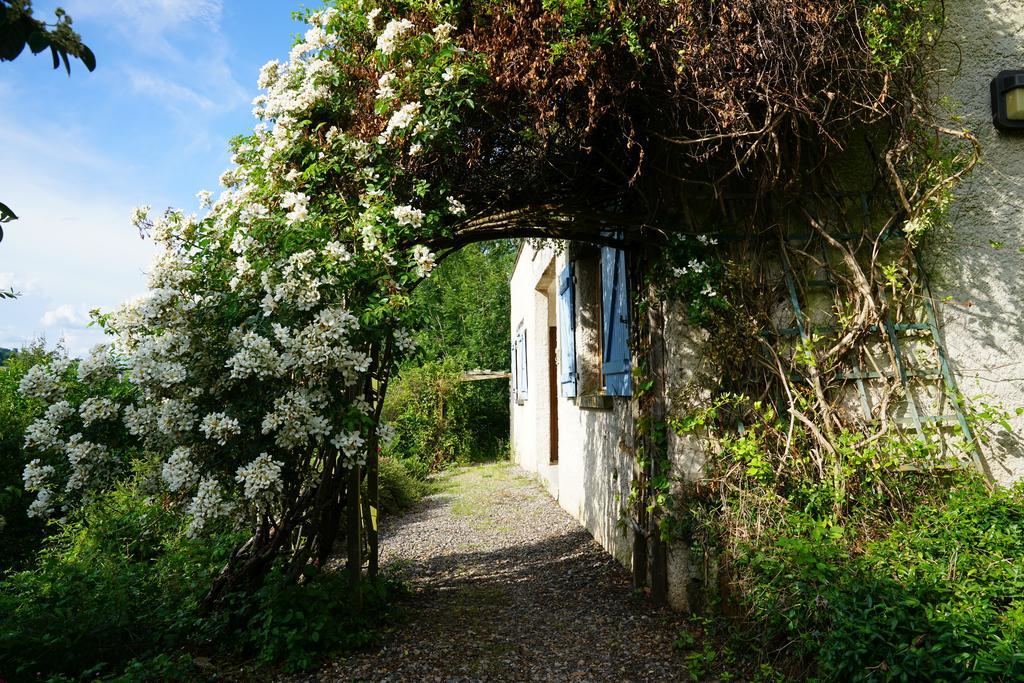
(553, 395)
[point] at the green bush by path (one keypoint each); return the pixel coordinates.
(399, 488)
(19, 533)
(441, 421)
(116, 591)
(939, 597)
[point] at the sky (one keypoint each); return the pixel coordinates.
(174, 82)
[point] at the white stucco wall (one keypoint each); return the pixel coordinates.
(592, 477)
(595, 463)
(977, 275)
(979, 266)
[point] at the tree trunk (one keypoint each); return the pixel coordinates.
(354, 538)
(656, 438)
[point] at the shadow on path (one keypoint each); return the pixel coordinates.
(506, 586)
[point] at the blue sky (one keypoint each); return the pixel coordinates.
(173, 83)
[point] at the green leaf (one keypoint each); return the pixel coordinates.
(6, 215)
(88, 58)
(37, 41)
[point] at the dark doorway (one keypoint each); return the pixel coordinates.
(553, 392)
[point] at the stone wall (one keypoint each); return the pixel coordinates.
(977, 268)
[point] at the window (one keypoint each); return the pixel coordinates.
(519, 370)
(567, 331)
(593, 324)
(616, 362)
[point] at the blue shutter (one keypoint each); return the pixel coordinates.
(514, 384)
(567, 331)
(521, 369)
(615, 321)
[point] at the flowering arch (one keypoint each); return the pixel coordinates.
(394, 133)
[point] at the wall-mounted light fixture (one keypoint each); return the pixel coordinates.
(1008, 100)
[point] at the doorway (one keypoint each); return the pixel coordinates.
(553, 393)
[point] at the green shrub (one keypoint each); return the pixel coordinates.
(115, 584)
(296, 626)
(427, 406)
(116, 591)
(940, 597)
(399, 489)
(19, 533)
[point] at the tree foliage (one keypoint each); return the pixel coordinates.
(464, 307)
(397, 132)
(18, 29)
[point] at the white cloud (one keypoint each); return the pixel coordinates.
(152, 17)
(180, 98)
(66, 316)
(19, 283)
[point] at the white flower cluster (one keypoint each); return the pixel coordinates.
(220, 427)
(386, 86)
(298, 284)
(41, 382)
(386, 434)
(44, 433)
(401, 119)
(42, 506)
(140, 217)
(35, 475)
(406, 215)
(443, 32)
(179, 472)
(89, 462)
(404, 341)
(323, 17)
(208, 504)
(295, 87)
(297, 418)
(338, 252)
(256, 357)
(351, 446)
(298, 203)
(260, 478)
(424, 259)
(97, 409)
(388, 40)
(156, 360)
(99, 365)
(694, 266)
(455, 207)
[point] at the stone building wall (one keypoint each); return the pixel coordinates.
(977, 268)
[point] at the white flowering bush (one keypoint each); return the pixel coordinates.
(78, 443)
(259, 356)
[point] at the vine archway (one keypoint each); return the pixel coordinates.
(398, 132)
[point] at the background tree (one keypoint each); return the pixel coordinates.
(18, 29)
(439, 418)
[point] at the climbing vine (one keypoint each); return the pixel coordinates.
(396, 132)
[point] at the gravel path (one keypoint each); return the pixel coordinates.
(507, 587)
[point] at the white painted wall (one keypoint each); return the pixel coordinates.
(978, 270)
(595, 466)
(979, 266)
(592, 478)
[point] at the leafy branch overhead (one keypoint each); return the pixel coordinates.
(19, 28)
